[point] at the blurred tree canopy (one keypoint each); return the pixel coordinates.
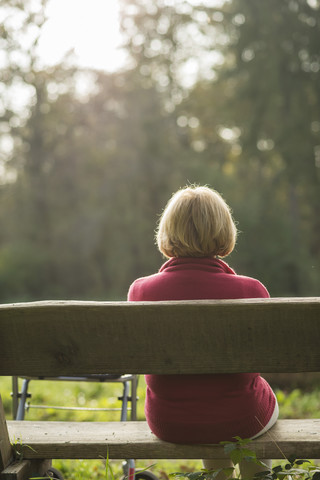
(223, 93)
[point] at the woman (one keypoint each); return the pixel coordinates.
(195, 229)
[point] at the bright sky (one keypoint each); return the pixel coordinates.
(90, 27)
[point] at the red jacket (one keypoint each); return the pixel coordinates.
(203, 408)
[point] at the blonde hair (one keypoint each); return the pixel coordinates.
(196, 222)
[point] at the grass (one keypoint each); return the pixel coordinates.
(91, 395)
(297, 403)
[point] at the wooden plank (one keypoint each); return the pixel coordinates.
(70, 338)
(24, 469)
(134, 440)
(16, 471)
(5, 445)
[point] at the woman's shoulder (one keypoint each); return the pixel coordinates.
(251, 286)
(138, 288)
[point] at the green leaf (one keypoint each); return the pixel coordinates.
(251, 459)
(230, 447)
(236, 456)
(242, 441)
(264, 474)
(292, 458)
(216, 473)
(277, 468)
(248, 453)
(228, 471)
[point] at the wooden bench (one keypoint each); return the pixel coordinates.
(191, 337)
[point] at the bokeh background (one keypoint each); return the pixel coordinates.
(222, 93)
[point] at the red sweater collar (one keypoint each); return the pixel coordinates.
(202, 263)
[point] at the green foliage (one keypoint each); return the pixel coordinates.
(239, 452)
(85, 178)
(298, 403)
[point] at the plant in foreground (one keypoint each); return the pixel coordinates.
(238, 452)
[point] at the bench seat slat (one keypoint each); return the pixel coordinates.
(72, 440)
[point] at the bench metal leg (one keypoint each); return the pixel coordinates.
(134, 385)
(23, 398)
(15, 396)
(124, 399)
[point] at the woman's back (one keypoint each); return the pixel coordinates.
(203, 408)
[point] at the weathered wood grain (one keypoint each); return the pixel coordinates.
(5, 446)
(75, 338)
(25, 469)
(69, 338)
(134, 440)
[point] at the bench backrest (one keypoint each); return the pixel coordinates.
(218, 336)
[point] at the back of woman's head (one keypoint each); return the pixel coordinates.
(196, 223)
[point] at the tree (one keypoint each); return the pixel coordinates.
(91, 174)
(219, 94)
(257, 116)
(273, 62)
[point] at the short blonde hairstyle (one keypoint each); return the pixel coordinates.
(196, 222)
